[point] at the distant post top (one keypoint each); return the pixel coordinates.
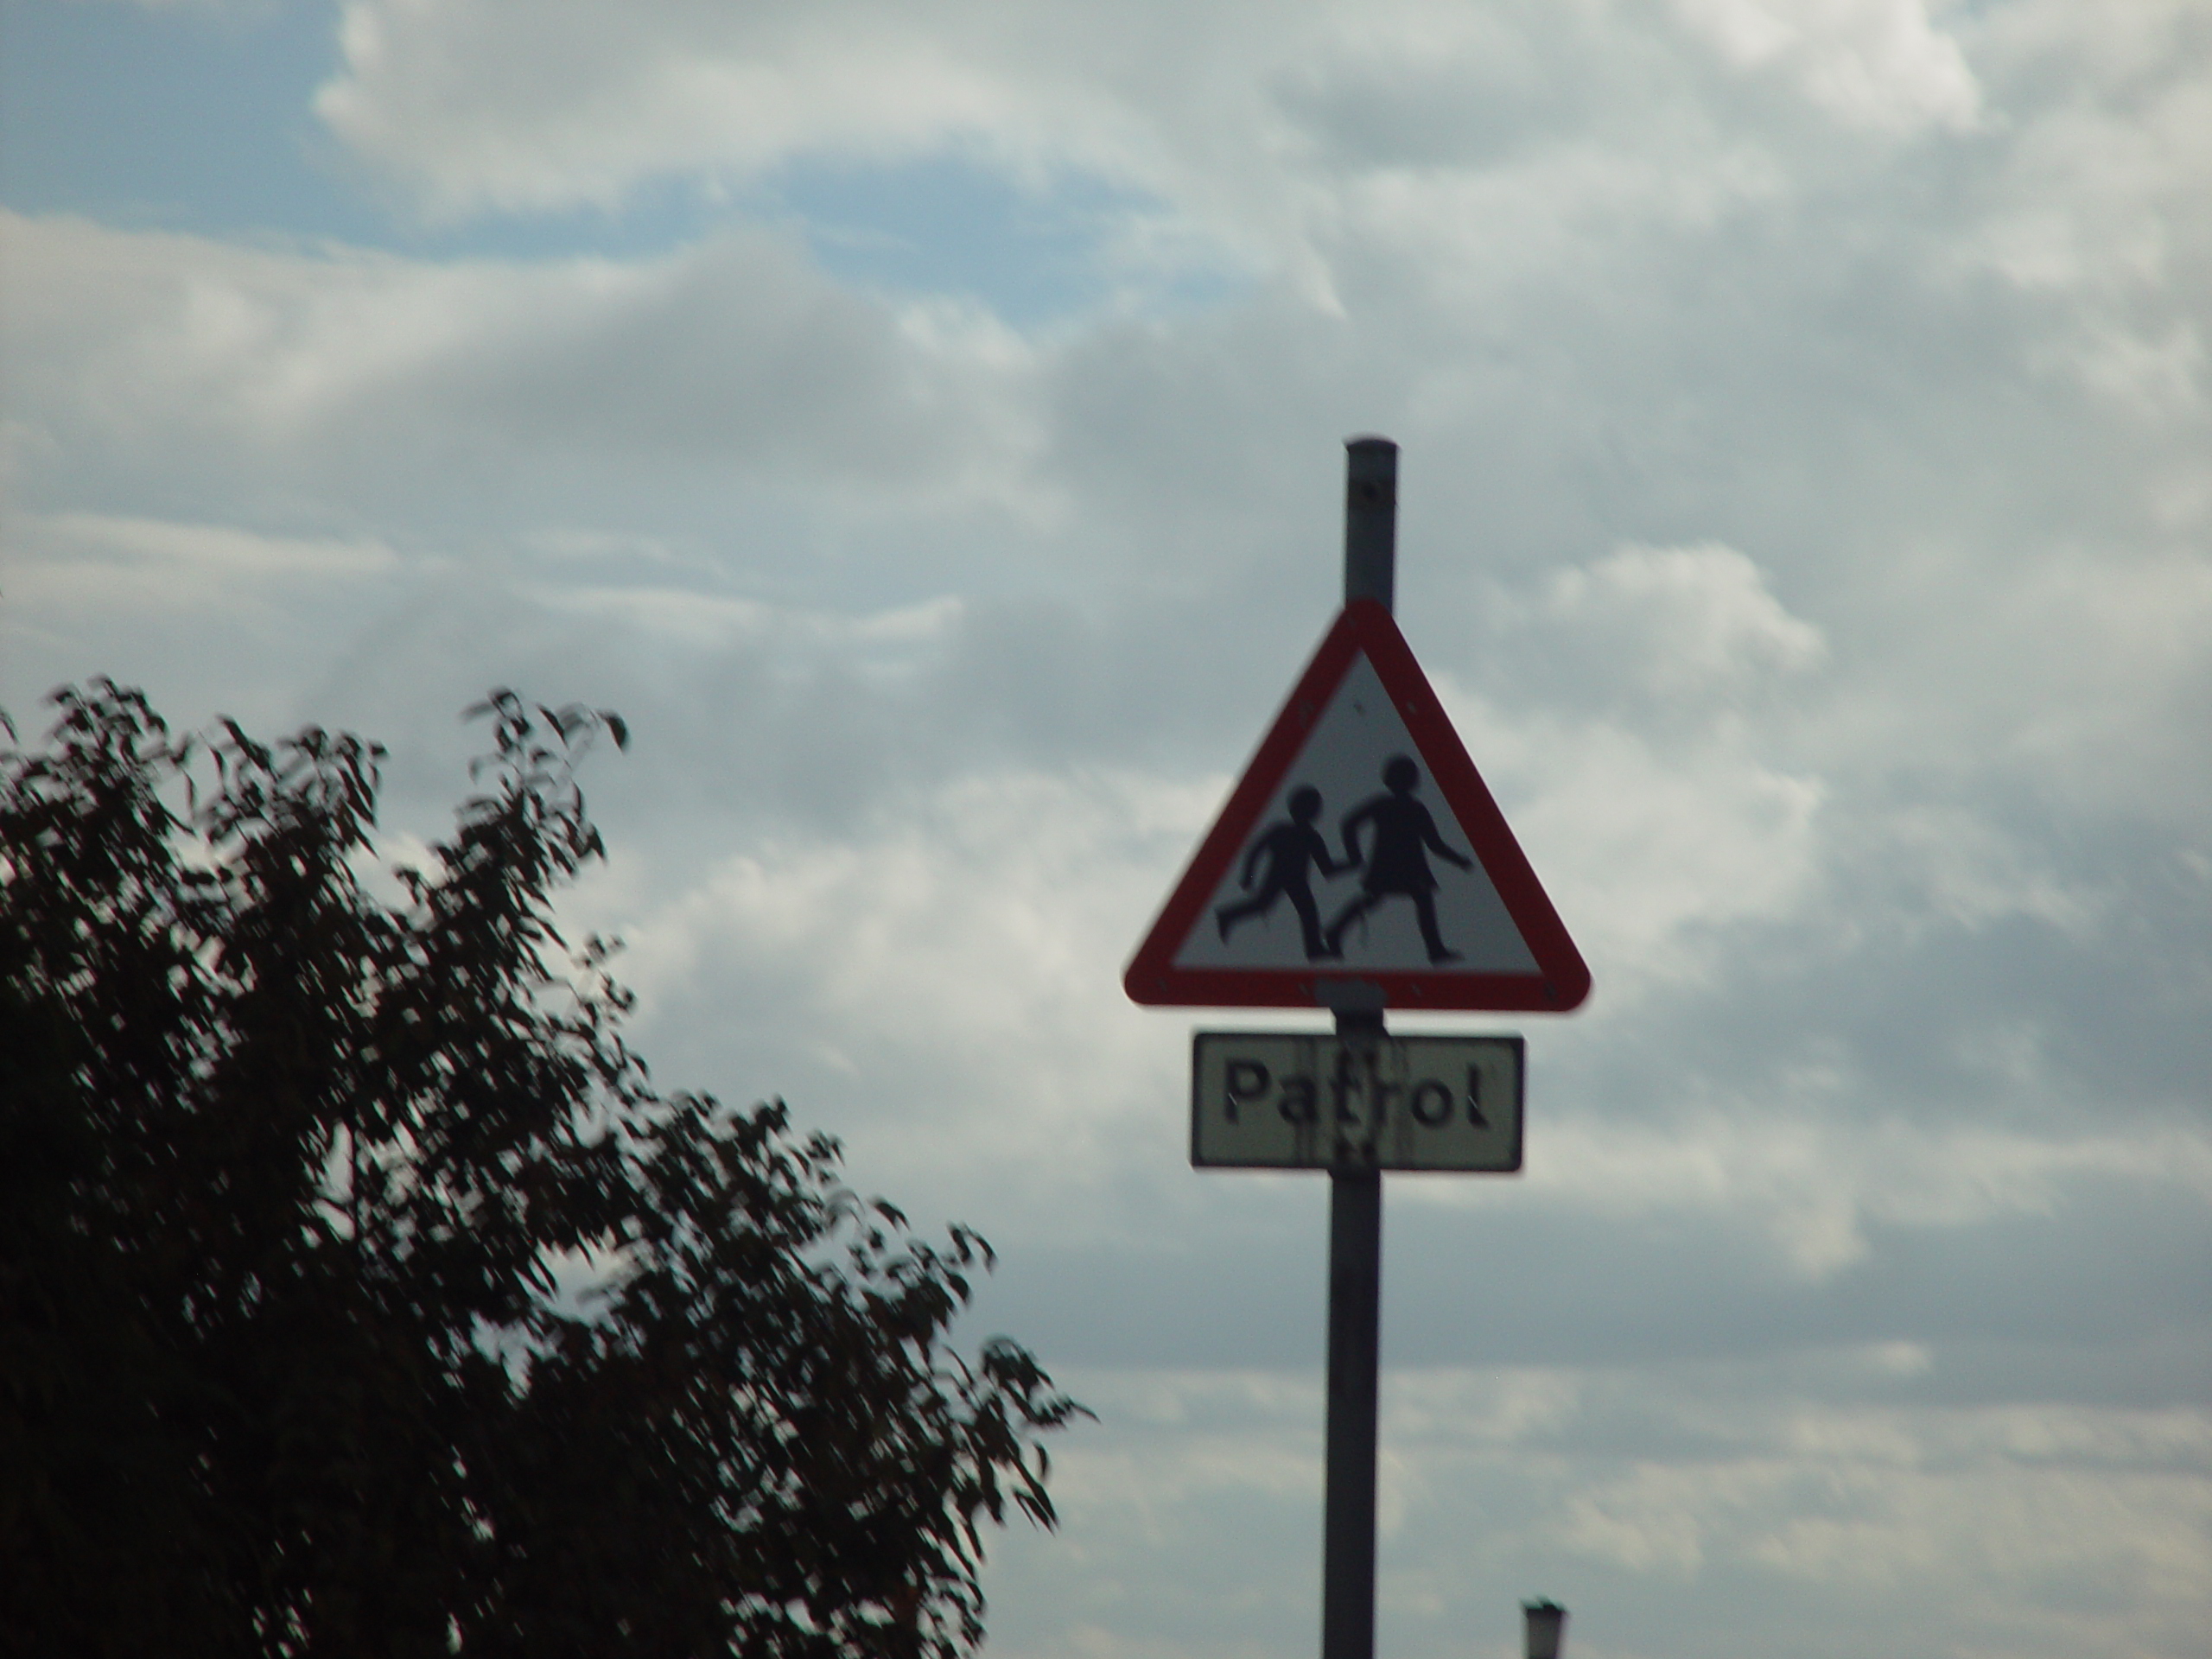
(1370, 519)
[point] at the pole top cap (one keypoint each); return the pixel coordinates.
(1544, 1619)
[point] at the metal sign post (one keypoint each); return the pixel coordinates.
(1355, 1368)
(1356, 1195)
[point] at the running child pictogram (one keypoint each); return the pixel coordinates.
(1396, 866)
(1292, 849)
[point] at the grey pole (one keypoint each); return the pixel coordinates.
(1356, 1195)
(1371, 520)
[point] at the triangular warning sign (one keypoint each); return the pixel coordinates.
(1361, 849)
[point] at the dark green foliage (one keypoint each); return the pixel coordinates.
(358, 1294)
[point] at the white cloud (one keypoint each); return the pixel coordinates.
(608, 95)
(83, 557)
(685, 616)
(959, 942)
(335, 367)
(1685, 619)
(1816, 1180)
(1879, 63)
(1653, 849)
(1649, 802)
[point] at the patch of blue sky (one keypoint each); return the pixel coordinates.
(199, 120)
(195, 119)
(176, 117)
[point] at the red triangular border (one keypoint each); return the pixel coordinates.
(1561, 979)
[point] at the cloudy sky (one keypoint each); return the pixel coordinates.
(924, 422)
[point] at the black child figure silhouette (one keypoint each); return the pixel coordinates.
(1397, 864)
(1292, 849)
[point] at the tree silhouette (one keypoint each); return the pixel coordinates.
(360, 1295)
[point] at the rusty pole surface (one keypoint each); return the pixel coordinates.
(1356, 1195)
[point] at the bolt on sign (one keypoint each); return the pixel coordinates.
(1288, 1100)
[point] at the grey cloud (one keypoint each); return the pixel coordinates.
(2105, 1302)
(737, 353)
(1516, 76)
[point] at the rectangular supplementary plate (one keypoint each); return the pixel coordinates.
(1288, 1100)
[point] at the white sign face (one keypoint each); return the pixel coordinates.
(1357, 862)
(1281, 1100)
